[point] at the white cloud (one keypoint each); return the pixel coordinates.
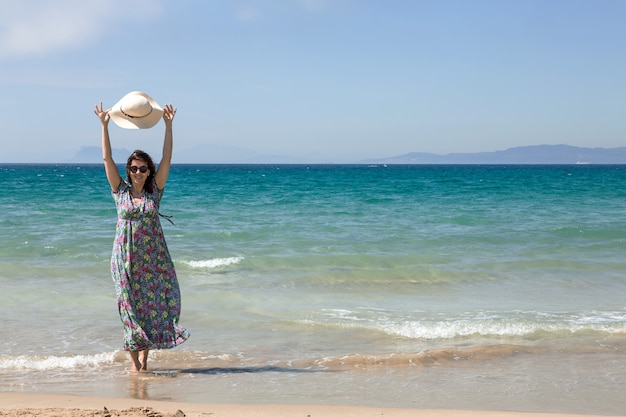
(41, 27)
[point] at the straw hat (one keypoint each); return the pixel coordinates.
(136, 110)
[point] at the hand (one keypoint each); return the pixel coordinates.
(103, 115)
(168, 113)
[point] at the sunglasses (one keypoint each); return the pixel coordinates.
(142, 168)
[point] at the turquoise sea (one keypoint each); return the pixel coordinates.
(473, 287)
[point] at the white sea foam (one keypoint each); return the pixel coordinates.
(214, 263)
(515, 324)
(45, 363)
(460, 328)
(450, 330)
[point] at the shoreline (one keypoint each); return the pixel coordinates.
(27, 404)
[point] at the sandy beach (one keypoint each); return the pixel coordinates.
(24, 405)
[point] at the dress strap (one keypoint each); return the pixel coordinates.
(168, 218)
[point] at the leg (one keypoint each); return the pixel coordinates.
(135, 365)
(143, 359)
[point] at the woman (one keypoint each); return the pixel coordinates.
(148, 294)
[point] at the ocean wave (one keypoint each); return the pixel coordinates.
(463, 328)
(430, 357)
(487, 324)
(354, 361)
(203, 363)
(46, 363)
(171, 363)
(213, 263)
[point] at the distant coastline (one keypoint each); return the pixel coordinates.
(525, 155)
(221, 154)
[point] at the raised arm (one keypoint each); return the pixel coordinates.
(110, 168)
(164, 166)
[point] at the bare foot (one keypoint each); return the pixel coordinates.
(135, 363)
(143, 359)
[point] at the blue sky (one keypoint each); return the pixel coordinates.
(315, 80)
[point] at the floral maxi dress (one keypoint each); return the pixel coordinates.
(148, 295)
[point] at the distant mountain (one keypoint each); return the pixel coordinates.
(539, 154)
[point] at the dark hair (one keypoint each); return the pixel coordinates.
(141, 155)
